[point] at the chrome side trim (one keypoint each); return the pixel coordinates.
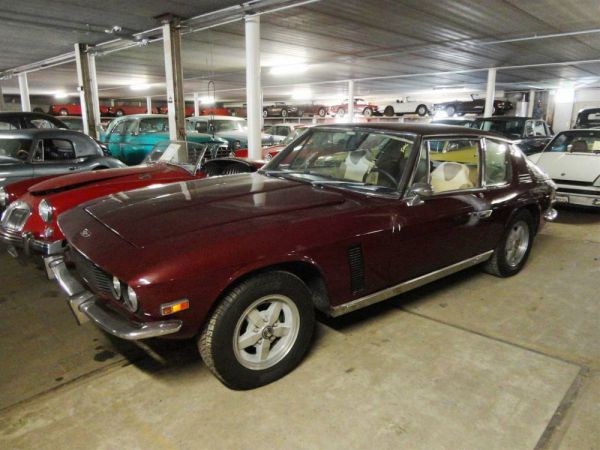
(408, 285)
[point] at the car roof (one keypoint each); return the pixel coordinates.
(505, 118)
(31, 133)
(419, 128)
(212, 117)
(25, 114)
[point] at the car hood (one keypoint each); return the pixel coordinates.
(584, 167)
(241, 136)
(182, 208)
(79, 180)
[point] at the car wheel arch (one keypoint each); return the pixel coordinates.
(307, 271)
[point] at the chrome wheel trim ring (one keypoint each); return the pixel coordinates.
(266, 332)
(517, 243)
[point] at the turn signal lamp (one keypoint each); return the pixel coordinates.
(173, 307)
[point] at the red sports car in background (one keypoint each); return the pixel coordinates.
(126, 110)
(42, 200)
(361, 106)
(271, 151)
(204, 111)
(74, 109)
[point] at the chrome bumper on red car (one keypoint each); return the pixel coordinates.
(85, 306)
(26, 242)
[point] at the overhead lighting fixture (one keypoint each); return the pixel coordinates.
(60, 95)
(290, 69)
(302, 94)
(139, 87)
(209, 100)
(564, 95)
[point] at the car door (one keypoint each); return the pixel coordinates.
(54, 156)
(116, 135)
(443, 228)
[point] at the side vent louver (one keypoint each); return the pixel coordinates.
(357, 268)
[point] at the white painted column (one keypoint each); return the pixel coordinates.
(94, 89)
(196, 104)
(149, 104)
(490, 93)
(564, 100)
(24, 90)
(84, 82)
(351, 101)
(253, 89)
(174, 79)
(531, 103)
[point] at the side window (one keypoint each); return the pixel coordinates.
(283, 131)
(38, 155)
(539, 129)
(268, 129)
(119, 128)
(58, 150)
(497, 163)
(202, 126)
(8, 125)
(449, 164)
(41, 123)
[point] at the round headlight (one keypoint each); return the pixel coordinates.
(46, 211)
(116, 288)
(3, 197)
(131, 300)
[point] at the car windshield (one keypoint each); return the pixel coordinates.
(13, 148)
(512, 128)
(581, 142)
(178, 153)
(346, 158)
(293, 136)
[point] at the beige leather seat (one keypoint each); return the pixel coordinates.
(450, 176)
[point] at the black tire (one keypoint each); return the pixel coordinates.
(322, 112)
(63, 112)
(388, 111)
(119, 113)
(422, 110)
(233, 315)
(341, 112)
(284, 113)
(300, 113)
(265, 113)
(450, 111)
(499, 264)
(367, 112)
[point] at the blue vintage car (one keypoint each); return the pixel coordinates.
(132, 138)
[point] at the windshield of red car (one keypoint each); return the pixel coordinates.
(350, 158)
(179, 153)
(15, 148)
(576, 142)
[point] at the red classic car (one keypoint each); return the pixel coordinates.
(40, 201)
(361, 106)
(73, 109)
(204, 111)
(127, 110)
(348, 216)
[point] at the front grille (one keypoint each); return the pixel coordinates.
(15, 216)
(217, 151)
(564, 190)
(574, 183)
(98, 280)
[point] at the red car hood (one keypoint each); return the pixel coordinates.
(149, 215)
(78, 180)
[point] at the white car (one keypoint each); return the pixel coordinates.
(572, 159)
(405, 105)
(233, 129)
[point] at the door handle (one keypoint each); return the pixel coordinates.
(482, 214)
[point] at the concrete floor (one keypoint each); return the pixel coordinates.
(470, 362)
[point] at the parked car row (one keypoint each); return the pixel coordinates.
(343, 217)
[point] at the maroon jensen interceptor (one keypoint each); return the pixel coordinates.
(346, 216)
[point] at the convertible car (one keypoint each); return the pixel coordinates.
(42, 152)
(348, 216)
(572, 159)
(29, 224)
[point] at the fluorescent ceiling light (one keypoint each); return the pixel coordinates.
(139, 86)
(564, 95)
(301, 94)
(289, 69)
(59, 95)
(209, 100)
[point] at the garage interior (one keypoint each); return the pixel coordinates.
(470, 361)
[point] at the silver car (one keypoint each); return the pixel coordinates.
(36, 153)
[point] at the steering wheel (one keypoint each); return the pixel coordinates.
(381, 171)
(23, 154)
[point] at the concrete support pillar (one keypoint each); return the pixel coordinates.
(86, 96)
(196, 104)
(174, 79)
(351, 101)
(531, 103)
(253, 89)
(490, 93)
(149, 105)
(24, 90)
(94, 88)
(564, 100)
(1, 98)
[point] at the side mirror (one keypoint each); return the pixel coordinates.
(418, 192)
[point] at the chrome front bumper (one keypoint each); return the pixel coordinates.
(29, 244)
(85, 306)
